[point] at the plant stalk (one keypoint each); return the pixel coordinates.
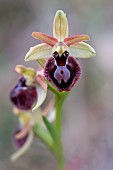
(59, 109)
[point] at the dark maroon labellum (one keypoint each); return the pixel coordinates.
(62, 72)
(23, 96)
(19, 142)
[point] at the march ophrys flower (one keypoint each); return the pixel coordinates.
(60, 51)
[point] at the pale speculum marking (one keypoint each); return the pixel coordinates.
(61, 73)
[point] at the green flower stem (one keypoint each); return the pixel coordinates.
(44, 136)
(59, 109)
(51, 88)
(60, 160)
(60, 98)
(53, 139)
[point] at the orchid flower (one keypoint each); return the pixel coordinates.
(24, 135)
(30, 89)
(58, 53)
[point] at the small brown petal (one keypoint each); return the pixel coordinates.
(45, 38)
(21, 134)
(77, 38)
(47, 109)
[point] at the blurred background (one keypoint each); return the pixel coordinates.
(88, 113)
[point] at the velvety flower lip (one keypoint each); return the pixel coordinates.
(63, 78)
(60, 52)
(23, 96)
